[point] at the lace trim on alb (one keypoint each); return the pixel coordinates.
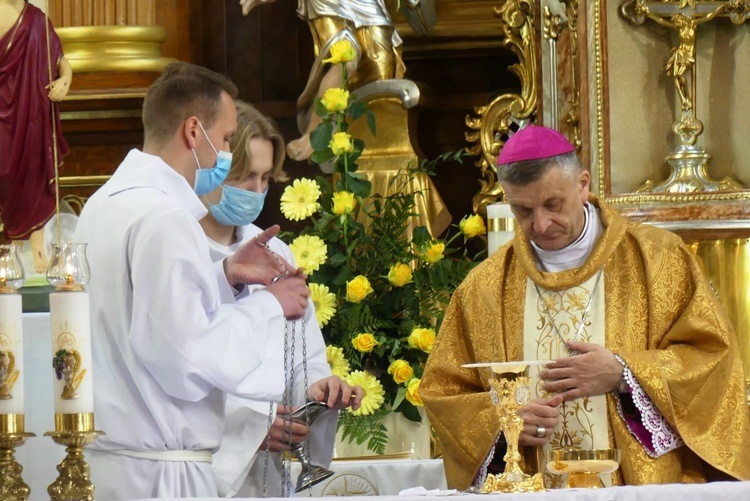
(663, 437)
(482, 473)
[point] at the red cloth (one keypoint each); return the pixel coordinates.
(27, 171)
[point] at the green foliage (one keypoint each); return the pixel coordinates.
(368, 239)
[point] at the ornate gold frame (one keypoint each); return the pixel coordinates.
(600, 136)
(493, 120)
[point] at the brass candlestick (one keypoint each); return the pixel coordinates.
(74, 431)
(12, 435)
(510, 393)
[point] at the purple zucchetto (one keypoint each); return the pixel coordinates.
(534, 142)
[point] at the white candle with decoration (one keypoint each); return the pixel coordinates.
(501, 226)
(11, 332)
(71, 330)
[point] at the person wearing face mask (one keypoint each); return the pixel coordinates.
(175, 332)
(258, 156)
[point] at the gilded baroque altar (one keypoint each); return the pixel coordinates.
(651, 94)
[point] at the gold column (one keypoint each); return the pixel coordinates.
(102, 12)
(726, 263)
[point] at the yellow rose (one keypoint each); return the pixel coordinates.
(364, 342)
(399, 274)
(343, 202)
(341, 143)
(335, 99)
(401, 371)
(472, 226)
(434, 252)
(357, 289)
(412, 392)
(422, 339)
(341, 52)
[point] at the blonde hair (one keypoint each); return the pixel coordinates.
(252, 124)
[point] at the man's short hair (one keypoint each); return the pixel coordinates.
(251, 124)
(183, 90)
(529, 171)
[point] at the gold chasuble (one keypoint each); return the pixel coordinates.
(657, 312)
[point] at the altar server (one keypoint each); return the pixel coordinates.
(249, 460)
(174, 333)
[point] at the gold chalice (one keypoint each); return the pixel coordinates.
(583, 466)
(509, 391)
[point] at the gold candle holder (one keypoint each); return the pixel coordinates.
(12, 435)
(74, 431)
(510, 391)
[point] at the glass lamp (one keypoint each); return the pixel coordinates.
(68, 269)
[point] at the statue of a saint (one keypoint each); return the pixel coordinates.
(34, 73)
(368, 26)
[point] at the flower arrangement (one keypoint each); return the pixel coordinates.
(379, 294)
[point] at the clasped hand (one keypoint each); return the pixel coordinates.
(594, 370)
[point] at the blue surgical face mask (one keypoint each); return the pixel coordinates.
(207, 180)
(237, 207)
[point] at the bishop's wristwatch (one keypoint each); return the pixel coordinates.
(622, 385)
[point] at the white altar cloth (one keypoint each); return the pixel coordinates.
(724, 491)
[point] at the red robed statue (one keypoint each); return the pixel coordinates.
(29, 52)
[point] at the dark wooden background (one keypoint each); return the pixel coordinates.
(268, 55)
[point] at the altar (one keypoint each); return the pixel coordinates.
(726, 491)
(39, 456)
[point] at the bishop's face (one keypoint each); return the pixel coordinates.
(550, 210)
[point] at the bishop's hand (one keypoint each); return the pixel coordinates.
(594, 370)
(540, 416)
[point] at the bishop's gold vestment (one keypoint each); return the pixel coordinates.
(661, 317)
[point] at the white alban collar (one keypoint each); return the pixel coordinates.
(576, 253)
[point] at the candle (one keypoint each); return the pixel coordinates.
(71, 350)
(11, 355)
(502, 226)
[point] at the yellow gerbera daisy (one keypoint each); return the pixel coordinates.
(324, 301)
(374, 395)
(338, 362)
(309, 252)
(300, 199)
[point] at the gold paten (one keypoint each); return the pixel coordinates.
(583, 466)
(726, 263)
(92, 49)
(12, 435)
(494, 119)
(74, 431)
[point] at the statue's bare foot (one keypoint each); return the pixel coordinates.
(37, 250)
(300, 149)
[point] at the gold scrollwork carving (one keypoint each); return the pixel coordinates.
(574, 114)
(493, 120)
